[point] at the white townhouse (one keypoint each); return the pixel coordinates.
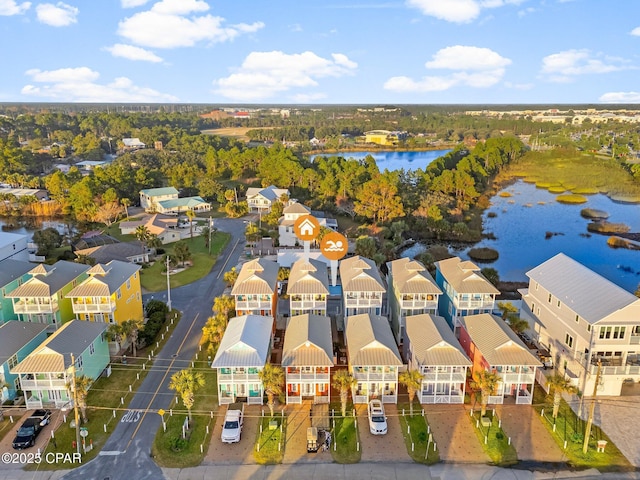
(261, 199)
(583, 318)
(256, 288)
(411, 291)
(291, 213)
(431, 348)
(362, 287)
(308, 287)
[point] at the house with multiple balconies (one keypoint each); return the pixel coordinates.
(465, 290)
(582, 319)
(13, 273)
(373, 357)
(46, 372)
(308, 287)
(242, 354)
(307, 358)
(362, 287)
(431, 348)
(42, 298)
(286, 234)
(261, 199)
(493, 346)
(165, 200)
(411, 291)
(256, 288)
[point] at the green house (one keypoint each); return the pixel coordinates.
(13, 273)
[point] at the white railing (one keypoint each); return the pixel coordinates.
(94, 307)
(21, 307)
(620, 370)
(496, 400)
(43, 384)
(226, 399)
(467, 304)
(294, 399)
(321, 377)
(308, 305)
(254, 400)
(542, 379)
(443, 398)
(634, 340)
(418, 304)
(321, 399)
(445, 377)
(374, 377)
(390, 398)
(361, 399)
(363, 302)
(253, 305)
(238, 377)
(524, 399)
(518, 377)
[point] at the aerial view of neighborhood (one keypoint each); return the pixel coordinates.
(227, 253)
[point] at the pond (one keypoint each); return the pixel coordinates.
(393, 160)
(522, 220)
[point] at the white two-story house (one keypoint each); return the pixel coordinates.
(308, 287)
(583, 318)
(255, 290)
(286, 235)
(412, 291)
(362, 286)
(261, 199)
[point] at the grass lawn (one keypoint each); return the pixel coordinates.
(153, 279)
(418, 436)
(168, 448)
(497, 446)
(269, 448)
(571, 428)
(346, 437)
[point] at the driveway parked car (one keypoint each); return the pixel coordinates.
(30, 429)
(377, 418)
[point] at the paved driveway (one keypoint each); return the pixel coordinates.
(453, 431)
(382, 448)
(618, 417)
(295, 451)
(240, 453)
(20, 416)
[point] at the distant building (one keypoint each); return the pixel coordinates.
(13, 273)
(295, 210)
(132, 144)
(39, 193)
(150, 197)
(165, 200)
(14, 246)
(384, 137)
(164, 226)
(261, 199)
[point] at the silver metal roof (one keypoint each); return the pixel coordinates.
(465, 276)
(308, 277)
(433, 342)
(359, 274)
(411, 276)
(370, 341)
(308, 342)
(246, 342)
(257, 277)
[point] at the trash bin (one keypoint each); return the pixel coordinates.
(601, 445)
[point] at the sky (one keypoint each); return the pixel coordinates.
(321, 52)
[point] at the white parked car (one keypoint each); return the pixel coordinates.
(377, 418)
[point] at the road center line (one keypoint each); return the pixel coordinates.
(228, 258)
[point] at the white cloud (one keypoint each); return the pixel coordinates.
(132, 53)
(10, 7)
(563, 67)
(526, 11)
(265, 74)
(457, 11)
(58, 15)
(620, 97)
(519, 86)
(80, 85)
(636, 32)
(166, 25)
(132, 3)
(472, 66)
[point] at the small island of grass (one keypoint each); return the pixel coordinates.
(483, 254)
(606, 227)
(594, 214)
(559, 189)
(571, 198)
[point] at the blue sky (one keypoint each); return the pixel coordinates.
(330, 51)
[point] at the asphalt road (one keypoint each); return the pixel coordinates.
(127, 453)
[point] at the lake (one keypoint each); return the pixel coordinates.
(520, 235)
(393, 160)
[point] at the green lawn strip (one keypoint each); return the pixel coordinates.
(571, 428)
(269, 448)
(153, 279)
(169, 449)
(497, 443)
(345, 436)
(417, 436)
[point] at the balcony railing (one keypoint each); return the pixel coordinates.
(474, 304)
(496, 400)
(620, 370)
(238, 378)
(518, 377)
(253, 305)
(524, 399)
(444, 377)
(634, 340)
(298, 376)
(363, 302)
(94, 307)
(419, 304)
(41, 384)
(378, 377)
(22, 307)
(308, 305)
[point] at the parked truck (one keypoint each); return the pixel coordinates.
(232, 425)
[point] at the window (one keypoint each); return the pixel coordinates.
(577, 318)
(13, 361)
(568, 339)
(79, 362)
(92, 349)
(128, 283)
(550, 298)
(605, 332)
(118, 294)
(322, 387)
(588, 327)
(537, 286)
(294, 387)
(533, 307)
(558, 303)
(618, 332)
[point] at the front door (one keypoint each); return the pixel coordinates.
(241, 390)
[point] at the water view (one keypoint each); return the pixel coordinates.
(393, 160)
(522, 221)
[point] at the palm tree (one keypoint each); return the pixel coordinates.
(126, 203)
(142, 233)
(486, 382)
(558, 385)
(116, 333)
(343, 381)
(272, 378)
(81, 386)
(130, 329)
(154, 241)
(190, 215)
(412, 379)
(185, 383)
(213, 330)
(181, 251)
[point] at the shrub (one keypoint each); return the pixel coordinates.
(156, 306)
(483, 254)
(557, 189)
(178, 443)
(505, 194)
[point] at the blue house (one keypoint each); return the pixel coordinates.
(13, 273)
(17, 340)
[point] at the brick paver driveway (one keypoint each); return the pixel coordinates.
(235, 453)
(382, 448)
(295, 451)
(19, 416)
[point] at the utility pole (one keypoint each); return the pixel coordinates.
(210, 229)
(587, 432)
(75, 401)
(168, 286)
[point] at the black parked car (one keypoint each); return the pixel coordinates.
(30, 429)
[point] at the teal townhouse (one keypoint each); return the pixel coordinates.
(13, 273)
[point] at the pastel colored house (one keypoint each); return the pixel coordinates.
(13, 273)
(111, 294)
(411, 291)
(17, 340)
(150, 197)
(308, 287)
(165, 200)
(255, 290)
(465, 290)
(45, 372)
(373, 357)
(291, 213)
(165, 227)
(42, 298)
(307, 358)
(362, 287)
(384, 137)
(583, 318)
(261, 199)
(242, 354)
(493, 346)
(431, 348)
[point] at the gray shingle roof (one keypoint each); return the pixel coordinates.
(11, 269)
(116, 251)
(14, 335)
(245, 343)
(370, 341)
(307, 342)
(433, 342)
(465, 276)
(47, 280)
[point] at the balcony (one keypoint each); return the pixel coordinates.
(307, 376)
(238, 378)
(363, 302)
(518, 378)
(375, 376)
(617, 370)
(43, 384)
(308, 305)
(109, 307)
(30, 307)
(634, 340)
(253, 305)
(419, 303)
(445, 377)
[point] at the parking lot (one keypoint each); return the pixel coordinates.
(240, 453)
(382, 448)
(19, 416)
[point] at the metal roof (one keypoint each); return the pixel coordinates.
(257, 277)
(296, 207)
(370, 341)
(498, 344)
(54, 355)
(104, 280)
(308, 342)
(12, 269)
(308, 277)
(585, 292)
(411, 276)
(48, 280)
(359, 274)
(465, 277)
(157, 192)
(245, 343)
(188, 202)
(270, 193)
(14, 335)
(433, 342)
